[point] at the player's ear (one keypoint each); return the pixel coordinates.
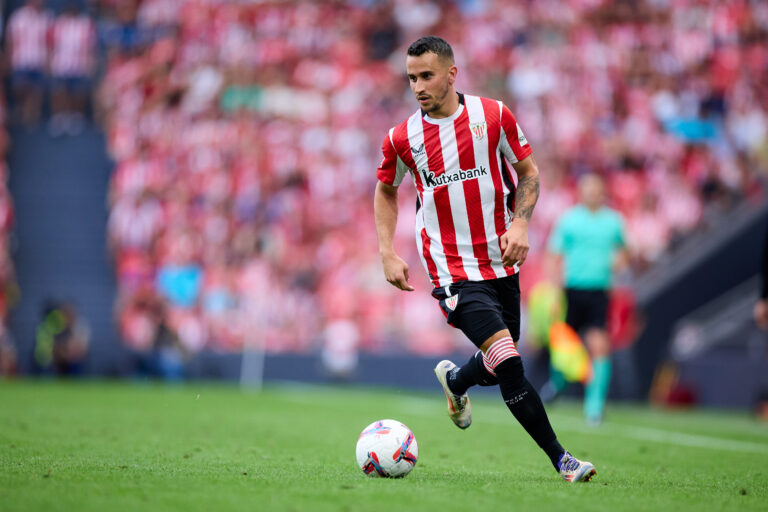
(452, 72)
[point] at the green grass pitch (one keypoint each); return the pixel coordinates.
(125, 446)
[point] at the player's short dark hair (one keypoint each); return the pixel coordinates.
(434, 44)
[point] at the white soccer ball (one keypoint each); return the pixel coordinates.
(386, 449)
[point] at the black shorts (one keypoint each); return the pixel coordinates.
(482, 308)
(586, 308)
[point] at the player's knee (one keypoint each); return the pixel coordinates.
(503, 357)
(598, 343)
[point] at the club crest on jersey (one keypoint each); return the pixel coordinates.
(417, 150)
(478, 130)
(451, 302)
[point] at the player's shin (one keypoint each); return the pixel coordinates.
(521, 398)
(597, 390)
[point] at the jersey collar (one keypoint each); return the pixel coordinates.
(449, 119)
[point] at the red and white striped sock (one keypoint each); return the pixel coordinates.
(500, 350)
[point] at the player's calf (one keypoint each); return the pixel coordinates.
(522, 400)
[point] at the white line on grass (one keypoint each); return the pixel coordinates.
(566, 423)
(681, 438)
(427, 407)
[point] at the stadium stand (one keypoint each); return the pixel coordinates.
(246, 137)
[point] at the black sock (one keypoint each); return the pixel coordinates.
(471, 374)
(527, 408)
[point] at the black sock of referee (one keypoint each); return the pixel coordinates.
(471, 374)
(526, 406)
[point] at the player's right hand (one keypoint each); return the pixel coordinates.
(396, 272)
(761, 314)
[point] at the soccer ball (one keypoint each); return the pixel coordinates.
(387, 449)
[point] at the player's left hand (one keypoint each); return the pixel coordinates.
(514, 243)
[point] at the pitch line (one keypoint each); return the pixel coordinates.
(681, 438)
(631, 432)
(426, 408)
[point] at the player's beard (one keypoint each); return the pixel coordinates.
(438, 101)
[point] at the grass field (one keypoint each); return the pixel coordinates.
(114, 446)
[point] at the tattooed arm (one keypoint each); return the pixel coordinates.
(514, 243)
(527, 188)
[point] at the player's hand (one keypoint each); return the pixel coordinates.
(761, 314)
(514, 243)
(396, 271)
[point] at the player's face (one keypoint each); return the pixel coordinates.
(431, 79)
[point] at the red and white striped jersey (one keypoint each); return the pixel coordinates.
(28, 32)
(73, 46)
(465, 187)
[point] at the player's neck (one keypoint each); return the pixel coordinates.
(594, 208)
(448, 108)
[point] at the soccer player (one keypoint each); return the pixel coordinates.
(589, 239)
(471, 233)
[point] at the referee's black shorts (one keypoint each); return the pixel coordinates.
(586, 308)
(482, 308)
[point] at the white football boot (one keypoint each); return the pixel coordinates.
(459, 408)
(573, 470)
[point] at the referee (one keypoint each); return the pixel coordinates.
(588, 242)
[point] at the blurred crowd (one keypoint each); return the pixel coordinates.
(246, 138)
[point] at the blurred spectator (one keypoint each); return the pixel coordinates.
(144, 325)
(120, 32)
(180, 278)
(26, 44)
(246, 135)
(62, 340)
(168, 353)
(73, 46)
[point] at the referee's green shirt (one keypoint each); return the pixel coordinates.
(588, 242)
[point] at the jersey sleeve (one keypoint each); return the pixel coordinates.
(513, 144)
(392, 169)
